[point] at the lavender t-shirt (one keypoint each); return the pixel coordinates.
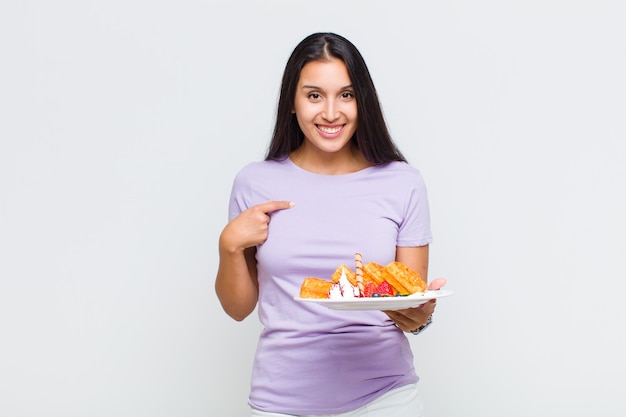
(310, 359)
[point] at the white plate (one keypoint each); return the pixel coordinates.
(377, 303)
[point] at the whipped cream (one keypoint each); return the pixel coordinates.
(343, 288)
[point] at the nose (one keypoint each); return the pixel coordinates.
(331, 111)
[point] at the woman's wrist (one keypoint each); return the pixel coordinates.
(422, 327)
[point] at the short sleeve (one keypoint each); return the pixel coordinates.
(415, 227)
(239, 195)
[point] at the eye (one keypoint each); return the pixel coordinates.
(314, 96)
(347, 95)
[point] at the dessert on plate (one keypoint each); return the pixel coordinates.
(367, 280)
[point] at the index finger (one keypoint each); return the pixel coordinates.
(271, 206)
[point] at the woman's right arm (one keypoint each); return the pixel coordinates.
(236, 283)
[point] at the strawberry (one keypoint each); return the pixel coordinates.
(369, 289)
(384, 288)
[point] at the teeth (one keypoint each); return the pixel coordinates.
(329, 129)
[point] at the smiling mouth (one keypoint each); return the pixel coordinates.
(330, 130)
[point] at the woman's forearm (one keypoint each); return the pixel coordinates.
(236, 282)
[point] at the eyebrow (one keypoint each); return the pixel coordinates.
(314, 87)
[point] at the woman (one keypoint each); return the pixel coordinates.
(333, 184)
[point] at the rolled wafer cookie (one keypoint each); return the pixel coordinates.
(358, 261)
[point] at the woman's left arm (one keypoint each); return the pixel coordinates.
(410, 319)
(416, 258)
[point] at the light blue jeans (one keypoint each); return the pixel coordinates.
(404, 401)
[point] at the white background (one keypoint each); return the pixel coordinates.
(123, 123)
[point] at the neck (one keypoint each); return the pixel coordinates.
(336, 163)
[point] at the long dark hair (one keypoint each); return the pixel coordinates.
(371, 137)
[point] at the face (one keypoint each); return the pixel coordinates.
(325, 106)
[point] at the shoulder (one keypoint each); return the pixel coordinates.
(260, 168)
(401, 171)
(399, 166)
